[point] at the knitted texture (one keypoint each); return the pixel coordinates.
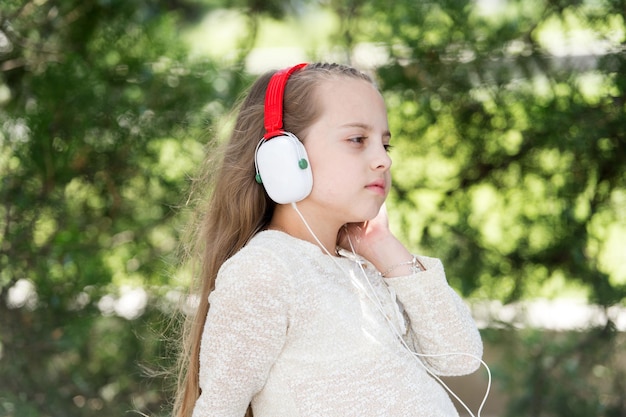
(298, 333)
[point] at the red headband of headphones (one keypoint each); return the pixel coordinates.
(274, 101)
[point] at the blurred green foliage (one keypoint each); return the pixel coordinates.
(508, 164)
(100, 124)
(512, 156)
(573, 373)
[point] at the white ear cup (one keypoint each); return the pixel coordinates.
(283, 168)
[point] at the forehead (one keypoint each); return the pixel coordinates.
(343, 85)
(346, 97)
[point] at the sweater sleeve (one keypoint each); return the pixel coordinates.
(440, 322)
(244, 332)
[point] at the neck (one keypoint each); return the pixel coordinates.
(287, 219)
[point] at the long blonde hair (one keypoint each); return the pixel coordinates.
(238, 207)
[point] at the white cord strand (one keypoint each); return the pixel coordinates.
(426, 355)
(376, 301)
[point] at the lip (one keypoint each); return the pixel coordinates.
(377, 186)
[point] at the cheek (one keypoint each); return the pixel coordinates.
(326, 182)
(329, 177)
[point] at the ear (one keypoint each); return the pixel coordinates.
(282, 166)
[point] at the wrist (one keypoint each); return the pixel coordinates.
(409, 267)
(392, 259)
(385, 252)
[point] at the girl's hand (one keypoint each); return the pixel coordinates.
(374, 241)
(367, 234)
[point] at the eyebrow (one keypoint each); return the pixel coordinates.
(367, 127)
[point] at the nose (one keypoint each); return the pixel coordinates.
(381, 159)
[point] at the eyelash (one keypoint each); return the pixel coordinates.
(360, 139)
(357, 139)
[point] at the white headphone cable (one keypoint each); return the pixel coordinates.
(426, 355)
(379, 306)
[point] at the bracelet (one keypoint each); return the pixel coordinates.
(416, 266)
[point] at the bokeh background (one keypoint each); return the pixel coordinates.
(509, 126)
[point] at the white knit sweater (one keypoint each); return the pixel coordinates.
(298, 335)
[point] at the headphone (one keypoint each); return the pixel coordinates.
(280, 159)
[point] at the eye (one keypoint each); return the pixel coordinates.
(357, 139)
(388, 147)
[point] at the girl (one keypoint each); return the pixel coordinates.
(316, 308)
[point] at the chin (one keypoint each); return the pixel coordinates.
(368, 216)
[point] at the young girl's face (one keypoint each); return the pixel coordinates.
(347, 149)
